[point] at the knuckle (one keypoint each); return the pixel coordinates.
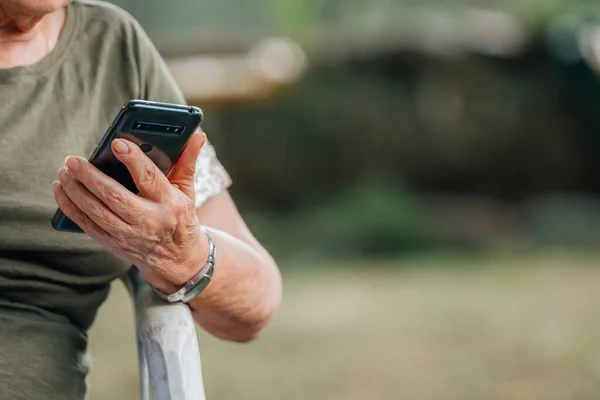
(190, 208)
(161, 230)
(95, 211)
(178, 209)
(152, 228)
(191, 169)
(147, 230)
(138, 219)
(81, 218)
(148, 176)
(90, 181)
(112, 196)
(168, 227)
(182, 206)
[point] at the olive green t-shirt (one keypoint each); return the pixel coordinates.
(51, 283)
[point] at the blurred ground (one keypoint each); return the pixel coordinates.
(479, 136)
(510, 327)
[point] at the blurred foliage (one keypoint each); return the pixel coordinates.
(503, 129)
(372, 217)
(309, 20)
(564, 220)
(325, 171)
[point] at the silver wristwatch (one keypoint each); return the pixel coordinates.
(198, 283)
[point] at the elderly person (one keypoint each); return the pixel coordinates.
(65, 70)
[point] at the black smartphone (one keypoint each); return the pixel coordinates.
(160, 129)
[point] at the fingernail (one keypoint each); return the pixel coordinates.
(72, 163)
(120, 146)
(55, 185)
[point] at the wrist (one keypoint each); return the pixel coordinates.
(191, 277)
(169, 274)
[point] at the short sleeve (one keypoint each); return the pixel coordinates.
(211, 177)
(157, 84)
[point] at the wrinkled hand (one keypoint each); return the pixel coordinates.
(157, 230)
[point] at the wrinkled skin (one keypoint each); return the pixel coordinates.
(158, 230)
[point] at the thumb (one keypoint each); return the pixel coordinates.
(182, 174)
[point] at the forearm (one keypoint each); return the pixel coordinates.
(160, 231)
(244, 293)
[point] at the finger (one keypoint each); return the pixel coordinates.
(90, 206)
(120, 200)
(182, 174)
(149, 180)
(76, 215)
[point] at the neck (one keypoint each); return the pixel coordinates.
(27, 40)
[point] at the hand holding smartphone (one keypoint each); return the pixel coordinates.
(161, 130)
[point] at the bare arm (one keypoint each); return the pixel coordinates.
(160, 231)
(246, 286)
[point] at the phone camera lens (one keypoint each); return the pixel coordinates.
(146, 147)
(191, 110)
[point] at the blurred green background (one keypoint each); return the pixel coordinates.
(427, 176)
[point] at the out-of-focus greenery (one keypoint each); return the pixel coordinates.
(362, 155)
(309, 19)
(393, 153)
(372, 217)
(348, 161)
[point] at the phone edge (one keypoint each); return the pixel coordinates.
(59, 216)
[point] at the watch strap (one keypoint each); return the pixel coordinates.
(199, 282)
